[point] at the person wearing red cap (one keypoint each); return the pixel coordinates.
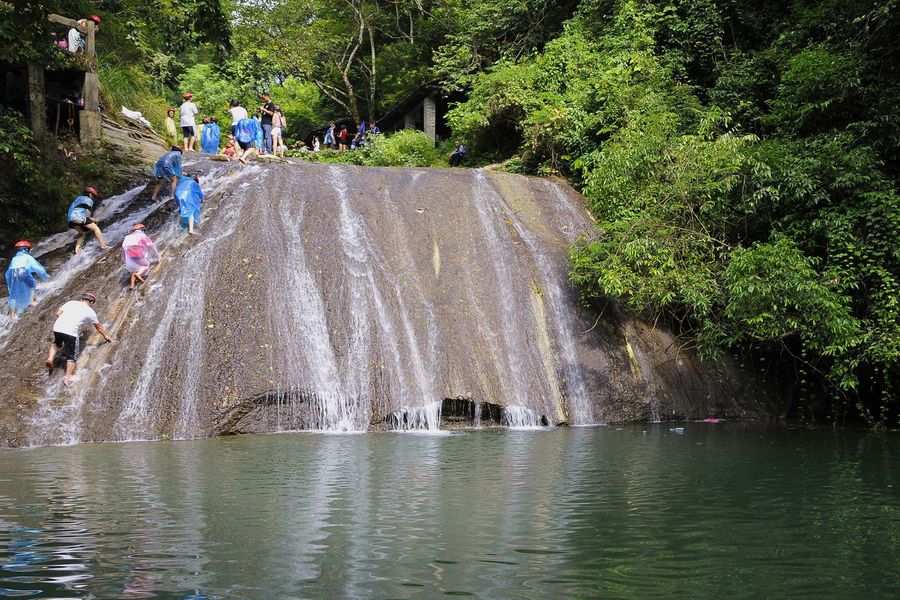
(79, 218)
(67, 331)
(188, 112)
(20, 278)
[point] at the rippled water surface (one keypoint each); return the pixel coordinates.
(716, 511)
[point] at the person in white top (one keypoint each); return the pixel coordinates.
(237, 112)
(188, 111)
(67, 330)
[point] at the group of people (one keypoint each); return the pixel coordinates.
(73, 41)
(259, 134)
(139, 252)
(336, 138)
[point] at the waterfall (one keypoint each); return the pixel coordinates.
(520, 417)
(552, 280)
(416, 418)
(330, 297)
(499, 249)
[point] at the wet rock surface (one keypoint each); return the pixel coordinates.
(329, 297)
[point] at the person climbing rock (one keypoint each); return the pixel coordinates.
(189, 196)
(20, 278)
(169, 166)
(137, 251)
(79, 218)
(246, 133)
(67, 331)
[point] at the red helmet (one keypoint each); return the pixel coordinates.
(23, 244)
(178, 148)
(89, 296)
(187, 95)
(95, 19)
(137, 226)
(92, 191)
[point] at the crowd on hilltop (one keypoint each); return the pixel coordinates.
(261, 133)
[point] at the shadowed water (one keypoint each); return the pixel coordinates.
(715, 511)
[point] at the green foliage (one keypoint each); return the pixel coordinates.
(744, 180)
(406, 148)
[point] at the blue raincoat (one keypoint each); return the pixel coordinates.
(189, 197)
(248, 131)
(20, 280)
(169, 165)
(210, 138)
(80, 210)
(258, 139)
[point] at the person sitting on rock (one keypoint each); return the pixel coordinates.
(67, 331)
(169, 166)
(189, 196)
(79, 218)
(137, 251)
(20, 278)
(459, 154)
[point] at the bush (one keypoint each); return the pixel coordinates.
(406, 148)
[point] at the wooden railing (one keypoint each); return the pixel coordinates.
(88, 30)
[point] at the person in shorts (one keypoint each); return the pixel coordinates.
(169, 167)
(79, 217)
(67, 331)
(189, 112)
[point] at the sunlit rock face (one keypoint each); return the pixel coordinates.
(346, 298)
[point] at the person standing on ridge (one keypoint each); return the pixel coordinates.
(189, 196)
(67, 331)
(137, 250)
(237, 113)
(330, 141)
(267, 110)
(169, 166)
(79, 218)
(342, 139)
(20, 278)
(171, 132)
(188, 112)
(211, 136)
(279, 124)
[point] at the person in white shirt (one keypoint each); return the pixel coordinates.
(67, 331)
(237, 112)
(188, 111)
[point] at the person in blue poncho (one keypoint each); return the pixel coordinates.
(20, 278)
(169, 166)
(210, 136)
(246, 132)
(189, 197)
(79, 217)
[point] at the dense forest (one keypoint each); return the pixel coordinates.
(740, 158)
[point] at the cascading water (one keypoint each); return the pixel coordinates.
(552, 280)
(520, 417)
(334, 298)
